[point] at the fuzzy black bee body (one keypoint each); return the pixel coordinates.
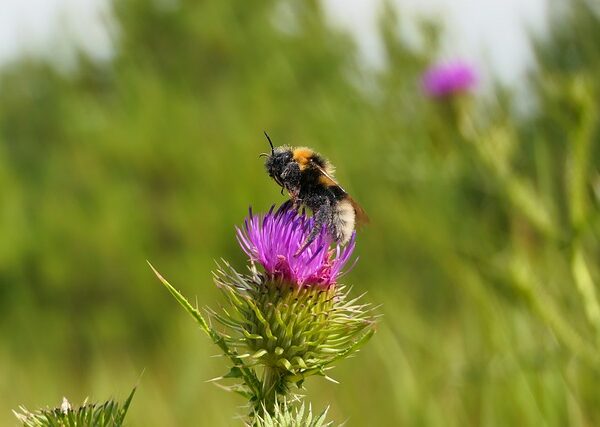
(308, 178)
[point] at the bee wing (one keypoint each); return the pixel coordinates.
(361, 216)
(328, 176)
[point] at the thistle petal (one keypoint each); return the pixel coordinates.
(273, 240)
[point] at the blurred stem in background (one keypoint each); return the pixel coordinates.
(493, 150)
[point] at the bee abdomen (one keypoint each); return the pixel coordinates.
(343, 221)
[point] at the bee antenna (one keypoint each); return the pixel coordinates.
(270, 143)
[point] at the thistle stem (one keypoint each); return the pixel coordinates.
(271, 386)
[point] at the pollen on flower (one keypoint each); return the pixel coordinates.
(273, 240)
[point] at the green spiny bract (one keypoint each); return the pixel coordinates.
(108, 414)
(284, 416)
(293, 331)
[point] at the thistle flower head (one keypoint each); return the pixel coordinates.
(108, 414)
(290, 322)
(274, 239)
(447, 79)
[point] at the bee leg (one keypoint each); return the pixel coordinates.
(290, 175)
(290, 180)
(292, 203)
(295, 198)
(321, 217)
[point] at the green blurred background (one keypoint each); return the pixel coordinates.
(483, 245)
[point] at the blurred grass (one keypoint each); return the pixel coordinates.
(483, 245)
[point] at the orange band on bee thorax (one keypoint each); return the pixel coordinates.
(302, 156)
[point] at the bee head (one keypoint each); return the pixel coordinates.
(277, 160)
(276, 163)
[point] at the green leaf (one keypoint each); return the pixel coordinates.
(248, 375)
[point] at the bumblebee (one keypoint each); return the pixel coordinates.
(308, 178)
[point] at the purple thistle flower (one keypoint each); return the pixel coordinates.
(444, 80)
(273, 240)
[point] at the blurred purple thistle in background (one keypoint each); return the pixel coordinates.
(274, 238)
(444, 80)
